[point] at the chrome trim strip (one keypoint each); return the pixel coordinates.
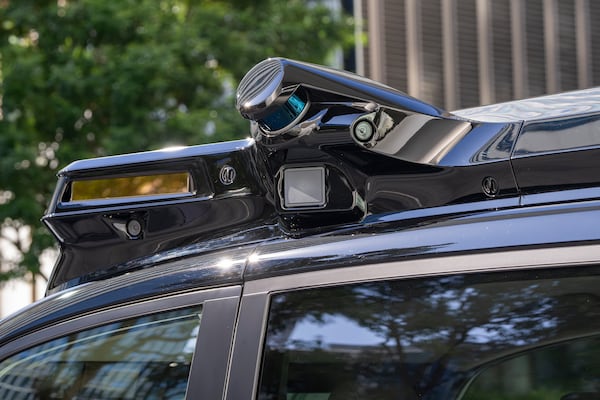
(515, 259)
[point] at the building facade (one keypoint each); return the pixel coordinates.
(464, 53)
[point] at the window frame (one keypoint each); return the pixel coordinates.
(249, 338)
(207, 373)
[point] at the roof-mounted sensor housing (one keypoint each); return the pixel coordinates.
(140, 204)
(331, 150)
(380, 149)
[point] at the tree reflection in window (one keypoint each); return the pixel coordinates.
(144, 358)
(419, 338)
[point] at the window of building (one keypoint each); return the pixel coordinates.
(144, 358)
(436, 338)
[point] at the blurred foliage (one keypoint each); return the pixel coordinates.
(86, 78)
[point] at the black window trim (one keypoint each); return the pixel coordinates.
(250, 333)
(219, 311)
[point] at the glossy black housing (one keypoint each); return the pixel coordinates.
(489, 192)
(423, 165)
(86, 229)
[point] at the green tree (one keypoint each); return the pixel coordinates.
(86, 78)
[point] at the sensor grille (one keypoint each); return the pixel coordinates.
(259, 84)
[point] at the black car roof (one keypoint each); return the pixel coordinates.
(556, 106)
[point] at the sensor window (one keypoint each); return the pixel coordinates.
(131, 186)
(304, 187)
(285, 115)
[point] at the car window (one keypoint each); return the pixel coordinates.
(428, 338)
(565, 371)
(143, 358)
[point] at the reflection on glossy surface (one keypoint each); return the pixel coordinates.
(557, 155)
(423, 338)
(411, 137)
(559, 135)
(546, 107)
(164, 228)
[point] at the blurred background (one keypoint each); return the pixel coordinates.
(88, 78)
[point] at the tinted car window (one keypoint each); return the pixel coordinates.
(424, 338)
(566, 371)
(144, 358)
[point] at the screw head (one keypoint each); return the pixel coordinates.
(490, 186)
(227, 175)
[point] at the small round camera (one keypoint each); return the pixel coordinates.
(363, 130)
(134, 228)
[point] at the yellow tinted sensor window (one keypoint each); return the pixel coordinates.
(131, 186)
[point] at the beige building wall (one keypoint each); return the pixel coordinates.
(464, 53)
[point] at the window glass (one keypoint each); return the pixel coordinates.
(435, 338)
(144, 358)
(566, 371)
